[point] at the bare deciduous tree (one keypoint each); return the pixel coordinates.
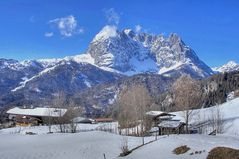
(65, 121)
(216, 120)
(187, 96)
(59, 103)
(48, 120)
(133, 103)
(124, 146)
(73, 111)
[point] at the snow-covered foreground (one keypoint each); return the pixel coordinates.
(162, 149)
(93, 144)
(83, 145)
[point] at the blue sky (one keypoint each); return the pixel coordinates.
(58, 28)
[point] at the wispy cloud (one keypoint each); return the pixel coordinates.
(138, 28)
(112, 16)
(81, 30)
(48, 34)
(67, 26)
(32, 19)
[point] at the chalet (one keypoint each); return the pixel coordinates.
(33, 116)
(165, 123)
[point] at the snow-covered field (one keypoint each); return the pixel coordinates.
(229, 112)
(84, 145)
(93, 144)
(163, 147)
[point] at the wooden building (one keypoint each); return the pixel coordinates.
(171, 127)
(33, 116)
(165, 123)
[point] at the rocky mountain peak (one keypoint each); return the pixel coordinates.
(228, 67)
(126, 51)
(174, 38)
(232, 63)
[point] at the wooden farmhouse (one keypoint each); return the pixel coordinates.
(33, 116)
(165, 123)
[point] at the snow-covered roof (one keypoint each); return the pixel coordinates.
(40, 111)
(154, 129)
(158, 113)
(82, 119)
(170, 123)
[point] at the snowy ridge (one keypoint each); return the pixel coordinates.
(107, 32)
(166, 69)
(51, 64)
(228, 67)
(23, 83)
(17, 65)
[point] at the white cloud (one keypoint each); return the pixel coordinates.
(138, 28)
(32, 19)
(81, 30)
(67, 25)
(112, 16)
(49, 34)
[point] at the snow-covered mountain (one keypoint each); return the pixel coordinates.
(111, 55)
(131, 53)
(228, 67)
(41, 79)
(123, 52)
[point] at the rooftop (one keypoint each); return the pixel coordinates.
(40, 111)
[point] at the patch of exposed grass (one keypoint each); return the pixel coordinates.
(181, 150)
(223, 153)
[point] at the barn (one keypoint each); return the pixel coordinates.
(33, 116)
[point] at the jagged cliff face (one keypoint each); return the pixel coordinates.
(118, 51)
(131, 53)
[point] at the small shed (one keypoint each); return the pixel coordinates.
(171, 127)
(165, 123)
